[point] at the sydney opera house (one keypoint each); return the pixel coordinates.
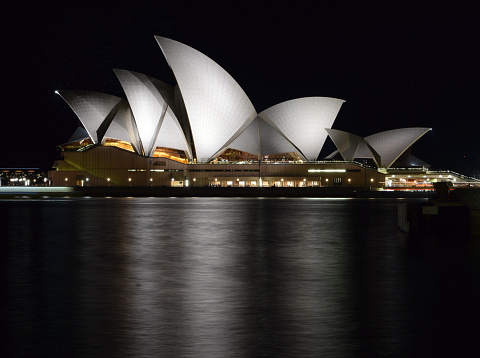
(204, 131)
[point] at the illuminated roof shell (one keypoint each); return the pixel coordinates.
(391, 144)
(217, 107)
(92, 109)
(79, 134)
(347, 143)
(363, 151)
(261, 139)
(215, 112)
(384, 147)
(303, 121)
(123, 127)
(273, 142)
(249, 140)
(332, 155)
(149, 100)
(171, 135)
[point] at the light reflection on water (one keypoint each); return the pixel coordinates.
(223, 277)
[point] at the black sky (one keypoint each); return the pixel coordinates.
(395, 67)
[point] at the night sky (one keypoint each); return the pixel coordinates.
(395, 67)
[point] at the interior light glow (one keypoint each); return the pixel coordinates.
(327, 170)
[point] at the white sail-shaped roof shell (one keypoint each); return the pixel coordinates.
(146, 96)
(171, 135)
(249, 140)
(217, 107)
(123, 128)
(303, 121)
(91, 108)
(332, 154)
(272, 142)
(391, 144)
(79, 134)
(261, 139)
(346, 143)
(363, 151)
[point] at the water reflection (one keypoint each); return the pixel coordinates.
(216, 277)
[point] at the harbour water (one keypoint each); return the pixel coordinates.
(231, 277)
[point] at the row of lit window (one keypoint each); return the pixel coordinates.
(194, 179)
(25, 179)
(409, 176)
(304, 179)
(155, 170)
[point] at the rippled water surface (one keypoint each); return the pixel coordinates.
(230, 277)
